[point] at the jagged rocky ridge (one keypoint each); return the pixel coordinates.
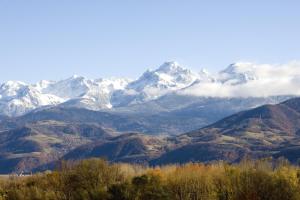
(239, 80)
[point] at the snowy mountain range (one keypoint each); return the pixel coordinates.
(79, 118)
(237, 80)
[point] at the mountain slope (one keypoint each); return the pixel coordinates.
(171, 114)
(75, 115)
(175, 114)
(283, 118)
(132, 147)
(25, 148)
(37, 140)
(269, 130)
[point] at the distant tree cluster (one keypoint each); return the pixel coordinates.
(96, 179)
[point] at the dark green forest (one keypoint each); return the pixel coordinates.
(96, 179)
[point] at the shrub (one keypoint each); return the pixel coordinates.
(97, 179)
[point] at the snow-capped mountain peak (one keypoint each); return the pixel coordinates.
(17, 98)
(239, 67)
(170, 68)
(168, 77)
(238, 73)
(238, 79)
(11, 88)
(72, 87)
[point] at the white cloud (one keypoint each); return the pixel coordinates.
(270, 80)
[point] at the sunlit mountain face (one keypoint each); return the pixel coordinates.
(167, 115)
(238, 80)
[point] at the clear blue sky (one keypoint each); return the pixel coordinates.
(53, 39)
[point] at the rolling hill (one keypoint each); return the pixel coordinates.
(39, 139)
(269, 130)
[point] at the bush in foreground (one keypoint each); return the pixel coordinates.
(96, 179)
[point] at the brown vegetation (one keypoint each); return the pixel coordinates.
(96, 179)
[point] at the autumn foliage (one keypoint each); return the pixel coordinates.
(96, 179)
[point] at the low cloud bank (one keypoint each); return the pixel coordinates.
(266, 80)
